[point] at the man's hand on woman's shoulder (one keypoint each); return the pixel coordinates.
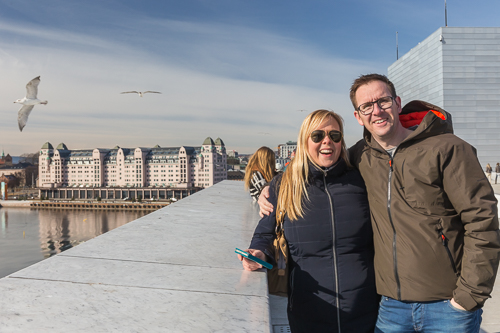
(265, 206)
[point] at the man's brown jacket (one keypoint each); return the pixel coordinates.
(434, 213)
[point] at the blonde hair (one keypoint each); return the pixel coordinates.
(292, 192)
(264, 161)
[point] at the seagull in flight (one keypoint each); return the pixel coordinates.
(28, 102)
(140, 92)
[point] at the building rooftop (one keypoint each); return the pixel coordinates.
(208, 141)
(47, 145)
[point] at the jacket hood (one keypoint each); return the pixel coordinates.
(425, 118)
(430, 119)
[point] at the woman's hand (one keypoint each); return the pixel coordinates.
(250, 265)
(265, 206)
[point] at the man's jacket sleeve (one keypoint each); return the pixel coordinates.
(473, 198)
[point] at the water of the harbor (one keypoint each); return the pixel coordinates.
(30, 235)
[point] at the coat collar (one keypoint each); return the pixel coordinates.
(317, 173)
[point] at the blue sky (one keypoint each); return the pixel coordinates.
(234, 69)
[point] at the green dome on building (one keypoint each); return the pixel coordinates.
(208, 141)
(47, 145)
(219, 142)
(62, 146)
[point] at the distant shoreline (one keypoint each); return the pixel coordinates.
(84, 204)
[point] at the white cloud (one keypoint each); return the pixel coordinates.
(218, 81)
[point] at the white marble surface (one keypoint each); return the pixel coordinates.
(277, 305)
(51, 306)
(165, 239)
(202, 229)
(147, 275)
(491, 311)
(173, 270)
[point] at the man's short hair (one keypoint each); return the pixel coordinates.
(365, 79)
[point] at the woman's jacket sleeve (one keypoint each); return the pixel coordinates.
(265, 232)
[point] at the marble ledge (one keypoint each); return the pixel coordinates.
(173, 270)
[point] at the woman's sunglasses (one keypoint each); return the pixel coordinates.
(318, 135)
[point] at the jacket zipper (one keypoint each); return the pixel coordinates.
(444, 240)
(394, 252)
(291, 279)
(337, 302)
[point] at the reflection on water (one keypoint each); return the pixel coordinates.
(30, 235)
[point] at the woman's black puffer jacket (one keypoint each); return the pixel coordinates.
(332, 282)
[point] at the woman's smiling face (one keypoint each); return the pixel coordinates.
(326, 152)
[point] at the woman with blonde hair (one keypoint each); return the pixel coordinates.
(488, 171)
(323, 204)
(259, 171)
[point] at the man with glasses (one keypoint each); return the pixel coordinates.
(434, 213)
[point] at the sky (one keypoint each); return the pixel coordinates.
(247, 71)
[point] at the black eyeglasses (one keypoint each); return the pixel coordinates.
(383, 103)
(318, 135)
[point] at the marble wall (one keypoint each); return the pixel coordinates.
(458, 69)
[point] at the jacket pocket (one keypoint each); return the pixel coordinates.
(444, 241)
(421, 184)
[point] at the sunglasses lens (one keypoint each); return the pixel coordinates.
(336, 136)
(317, 136)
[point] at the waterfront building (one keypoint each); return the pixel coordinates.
(24, 173)
(5, 159)
(10, 180)
(281, 163)
(458, 69)
(285, 150)
(173, 167)
(232, 153)
(244, 158)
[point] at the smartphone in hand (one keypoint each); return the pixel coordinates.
(254, 258)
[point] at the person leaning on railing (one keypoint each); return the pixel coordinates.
(259, 171)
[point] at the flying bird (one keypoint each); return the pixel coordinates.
(140, 92)
(28, 102)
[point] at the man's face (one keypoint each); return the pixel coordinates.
(381, 123)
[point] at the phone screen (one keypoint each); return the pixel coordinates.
(254, 258)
